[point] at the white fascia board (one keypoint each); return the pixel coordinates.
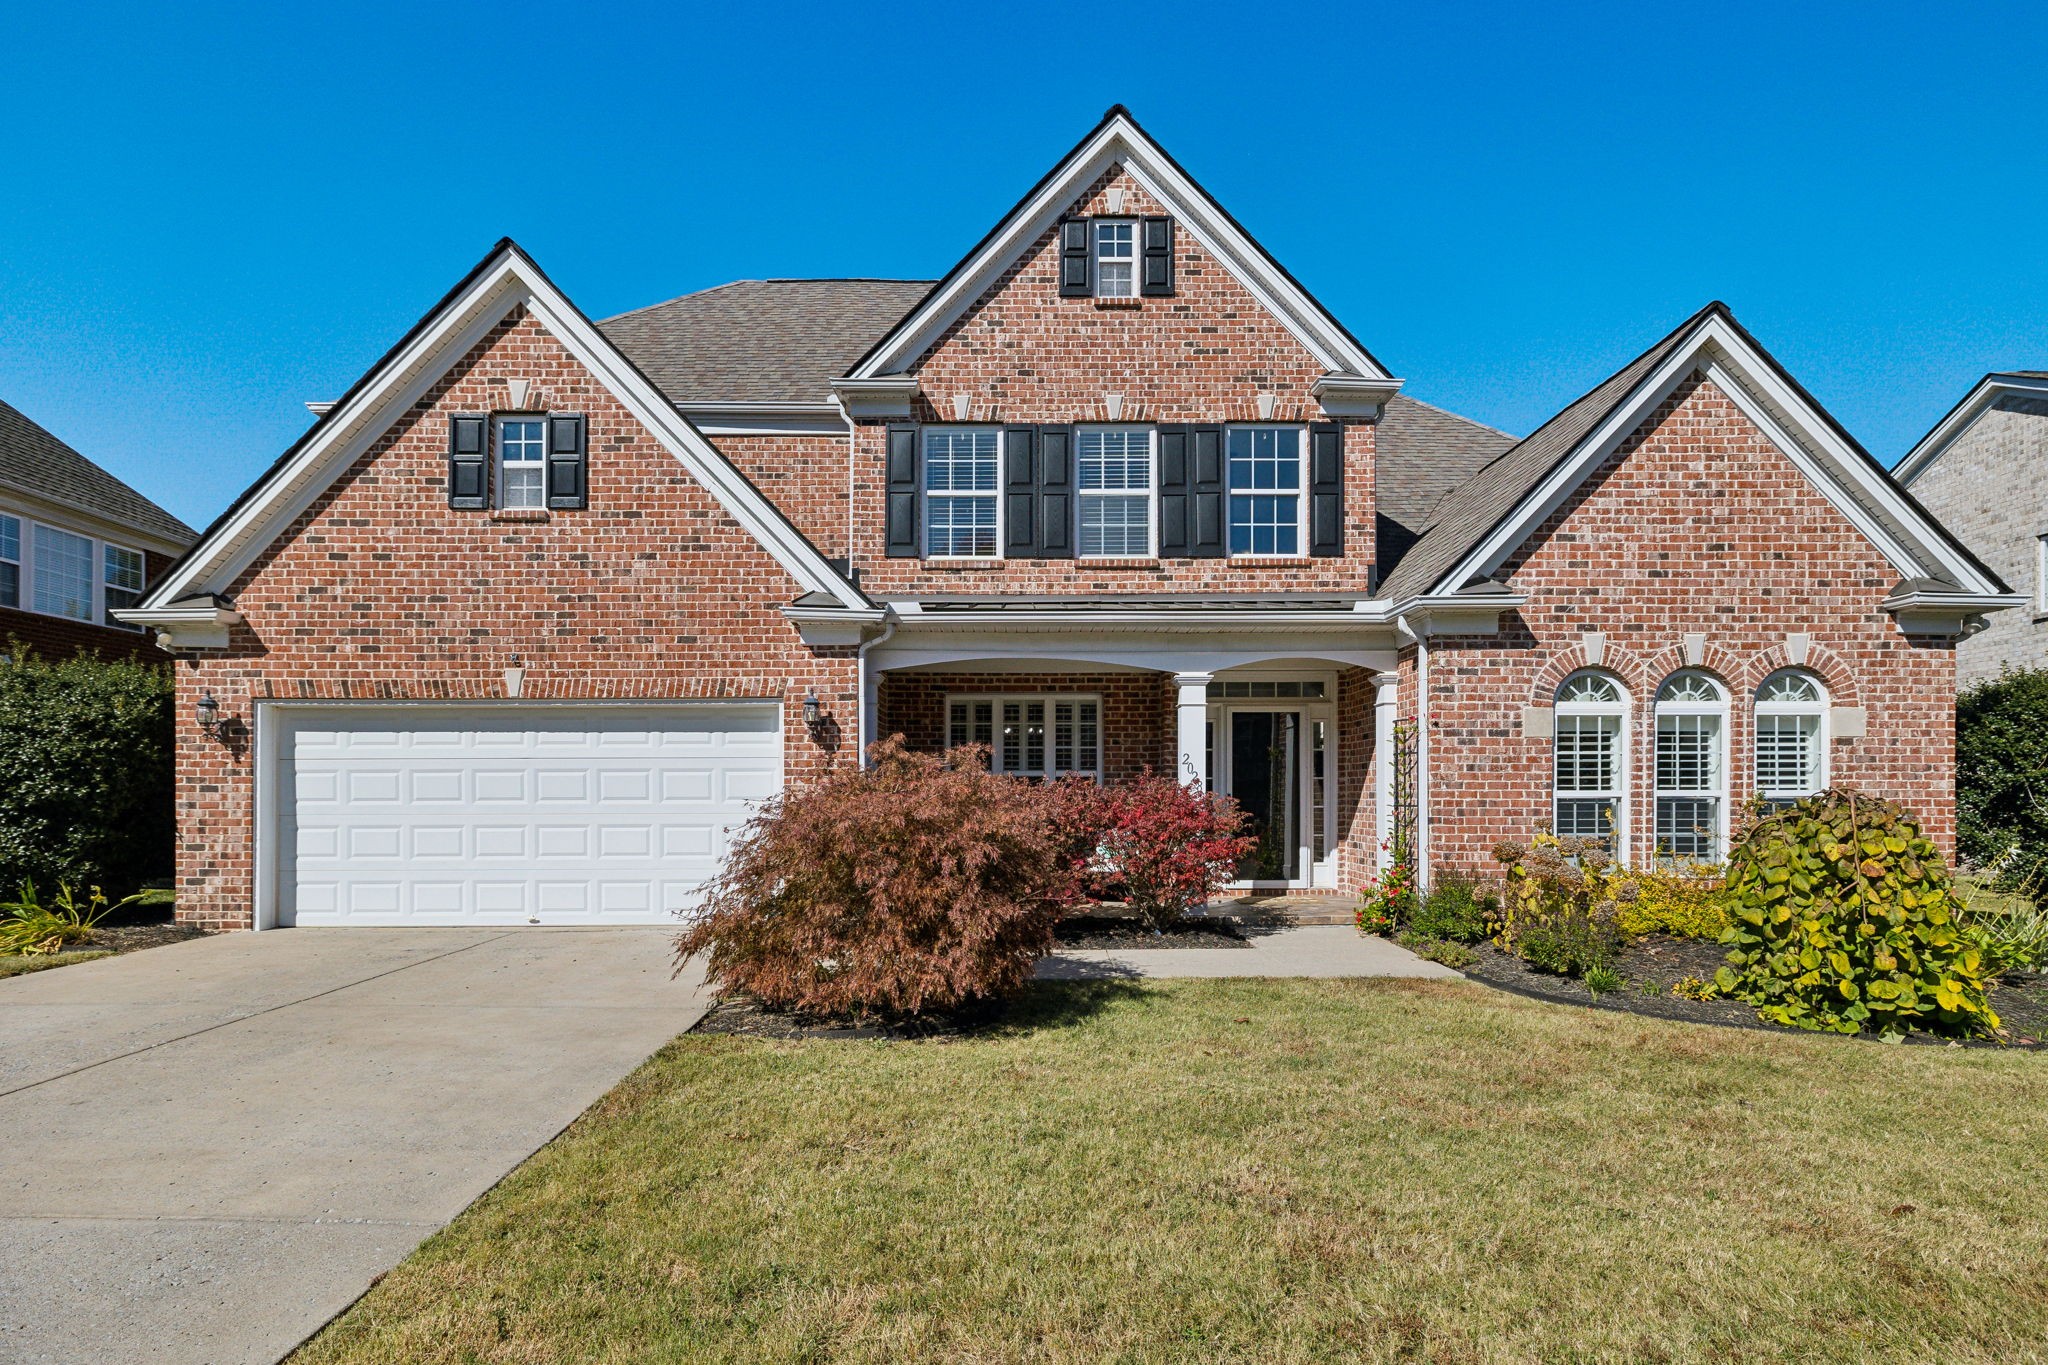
(1222, 618)
(822, 627)
(181, 627)
(764, 419)
(1121, 140)
(1989, 390)
(1453, 614)
(351, 429)
(889, 395)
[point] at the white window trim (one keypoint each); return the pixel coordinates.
(104, 587)
(1618, 712)
(499, 481)
(1095, 258)
(1151, 487)
(2041, 574)
(26, 573)
(925, 493)
(1301, 494)
(998, 699)
(1659, 709)
(1817, 709)
(20, 560)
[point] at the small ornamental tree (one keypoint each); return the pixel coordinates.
(1166, 848)
(920, 883)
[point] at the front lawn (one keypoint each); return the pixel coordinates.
(1261, 1171)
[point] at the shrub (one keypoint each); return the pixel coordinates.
(1458, 908)
(2001, 770)
(1844, 921)
(2011, 927)
(1560, 906)
(28, 926)
(1387, 901)
(1683, 902)
(922, 883)
(1161, 847)
(1602, 979)
(85, 771)
(1445, 951)
(1693, 988)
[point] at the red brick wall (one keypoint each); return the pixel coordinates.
(1137, 711)
(1024, 354)
(379, 591)
(1697, 525)
(804, 475)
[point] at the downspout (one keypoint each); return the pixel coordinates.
(1421, 748)
(866, 713)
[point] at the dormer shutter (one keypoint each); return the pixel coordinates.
(1326, 490)
(902, 474)
(1158, 258)
(1191, 493)
(568, 479)
(1076, 260)
(469, 462)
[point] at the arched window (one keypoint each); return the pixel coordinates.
(1587, 780)
(1692, 767)
(1791, 713)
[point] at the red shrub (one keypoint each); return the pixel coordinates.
(918, 884)
(1165, 848)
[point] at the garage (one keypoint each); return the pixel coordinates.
(556, 814)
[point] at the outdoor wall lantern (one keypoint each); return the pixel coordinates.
(207, 713)
(814, 711)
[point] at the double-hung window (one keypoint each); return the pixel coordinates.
(121, 587)
(1586, 768)
(522, 462)
(960, 465)
(1114, 484)
(10, 561)
(61, 573)
(1790, 707)
(1265, 490)
(1116, 258)
(1692, 732)
(1030, 736)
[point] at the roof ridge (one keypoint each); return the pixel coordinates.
(650, 307)
(763, 279)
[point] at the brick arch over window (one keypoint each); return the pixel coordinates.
(1622, 663)
(1831, 668)
(1725, 666)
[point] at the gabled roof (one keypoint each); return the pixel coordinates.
(1118, 139)
(1421, 452)
(1477, 527)
(37, 463)
(761, 341)
(506, 278)
(2001, 384)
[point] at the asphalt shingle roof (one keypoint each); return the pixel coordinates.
(761, 341)
(34, 461)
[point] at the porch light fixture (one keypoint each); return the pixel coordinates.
(207, 712)
(814, 711)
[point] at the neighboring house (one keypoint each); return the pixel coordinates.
(76, 545)
(1983, 471)
(537, 608)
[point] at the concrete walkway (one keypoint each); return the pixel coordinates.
(213, 1147)
(1301, 950)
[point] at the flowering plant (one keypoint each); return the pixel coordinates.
(1388, 900)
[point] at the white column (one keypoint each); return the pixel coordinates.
(1192, 713)
(870, 711)
(1386, 700)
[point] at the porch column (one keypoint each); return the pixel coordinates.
(1192, 713)
(1386, 701)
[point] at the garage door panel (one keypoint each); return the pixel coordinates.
(506, 815)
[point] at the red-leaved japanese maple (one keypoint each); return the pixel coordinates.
(920, 883)
(1166, 848)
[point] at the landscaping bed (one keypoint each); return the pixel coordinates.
(1124, 932)
(131, 929)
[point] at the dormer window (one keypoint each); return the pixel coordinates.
(522, 462)
(1116, 258)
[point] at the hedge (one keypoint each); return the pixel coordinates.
(2002, 773)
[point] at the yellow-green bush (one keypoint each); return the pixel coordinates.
(1685, 903)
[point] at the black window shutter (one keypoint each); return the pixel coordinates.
(1056, 492)
(1326, 490)
(469, 462)
(568, 462)
(1020, 492)
(902, 475)
(1175, 494)
(1158, 279)
(1076, 260)
(1206, 494)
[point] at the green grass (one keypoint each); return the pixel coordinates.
(37, 962)
(1261, 1171)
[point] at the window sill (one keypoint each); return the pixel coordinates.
(966, 565)
(1101, 302)
(522, 514)
(1118, 562)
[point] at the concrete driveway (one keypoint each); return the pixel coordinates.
(214, 1147)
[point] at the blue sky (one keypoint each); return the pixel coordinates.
(213, 215)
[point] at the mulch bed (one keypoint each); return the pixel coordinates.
(1649, 967)
(1120, 932)
(136, 928)
(747, 1017)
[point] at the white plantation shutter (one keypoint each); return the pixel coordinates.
(1789, 737)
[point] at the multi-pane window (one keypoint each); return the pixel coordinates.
(121, 586)
(960, 491)
(1265, 490)
(522, 462)
(10, 561)
(1113, 468)
(61, 571)
(1116, 259)
(1691, 792)
(1789, 710)
(1587, 757)
(1031, 736)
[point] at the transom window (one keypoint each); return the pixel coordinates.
(1113, 466)
(960, 492)
(122, 575)
(1790, 709)
(1262, 687)
(1586, 784)
(522, 462)
(1265, 490)
(63, 574)
(10, 561)
(1030, 736)
(1691, 794)
(1116, 259)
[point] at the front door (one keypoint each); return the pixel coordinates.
(1265, 779)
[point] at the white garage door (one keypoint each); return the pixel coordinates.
(512, 814)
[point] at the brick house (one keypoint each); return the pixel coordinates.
(540, 605)
(76, 545)
(1983, 472)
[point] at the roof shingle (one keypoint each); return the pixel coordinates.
(35, 462)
